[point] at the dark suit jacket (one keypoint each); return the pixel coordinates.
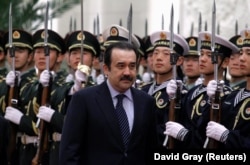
(91, 132)
(4, 136)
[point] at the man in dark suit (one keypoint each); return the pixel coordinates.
(92, 133)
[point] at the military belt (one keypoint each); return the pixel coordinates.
(25, 139)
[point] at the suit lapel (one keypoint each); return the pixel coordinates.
(138, 113)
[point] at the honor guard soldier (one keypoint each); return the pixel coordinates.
(233, 130)
(190, 64)
(116, 33)
(47, 61)
(91, 49)
(55, 114)
(3, 67)
(20, 57)
(142, 65)
(164, 71)
(97, 70)
(32, 91)
(149, 75)
(237, 79)
(196, 105)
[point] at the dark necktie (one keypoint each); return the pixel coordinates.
(123, 119)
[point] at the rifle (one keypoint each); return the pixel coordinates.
(13, 93)
(215, 112)
(43, 130)
(175, 103)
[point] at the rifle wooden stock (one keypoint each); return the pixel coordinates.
(43, 131)
(12, 101)
(215, 115)
(173, 114)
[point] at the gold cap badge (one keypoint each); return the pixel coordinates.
(192, 42)
(43, 35)
(163, 36)
(80, 36)
(16, 35)
(114, 31)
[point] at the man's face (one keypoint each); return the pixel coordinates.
(150, 60)
(205, 62)
(40, 58)
(75, 58)
(122, 72)
(245, 61)
(161, 60)
(191, 66)
(22, 58)
(2, 56)
(96, 63)
(234, 65)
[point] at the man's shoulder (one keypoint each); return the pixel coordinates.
(87, 90)
(142, 93)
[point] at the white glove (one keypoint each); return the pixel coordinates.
(216, 131)
(45, 113)
(69, 78)
(10, 78)
(80, 78)
(146, 77)
(84, 69)
(212, 87)
(175, 130)
(100, 79)
(172, 87)
(14, 115)
(44, 78)
(199, 81)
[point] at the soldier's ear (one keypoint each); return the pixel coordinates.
(225, 62)
(105, 69)
(60, 57)
(180, 60)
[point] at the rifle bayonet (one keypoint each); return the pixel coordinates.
(11, 47)
(46, 46)
(162, 22)
(146, 27)
(81, 60)
(94, 27)
(218, 28)
(120, 22)
(236, 27)
(192, 29)
(205, 27)
(178, 28)
(98, 27)
(70, 24)
(130, 14)
(75, 24)
(199, 30)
